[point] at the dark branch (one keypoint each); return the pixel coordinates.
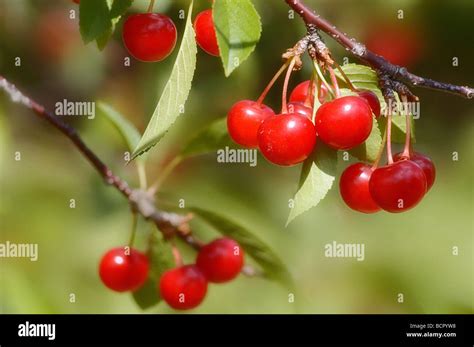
(141, 202)
(377, 62)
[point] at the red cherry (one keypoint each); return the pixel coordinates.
(221, 260)
(354, 188)
(373, 101)
(77, 1)
(398, 187)
(184, 287)
(300, 93)
(344, 122)
(121, 272)
(286, 139)
(244, 119)
(206, 32)
(149, 37)
(299, 108)
(426, 165)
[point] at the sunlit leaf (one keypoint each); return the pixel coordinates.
(175, 94)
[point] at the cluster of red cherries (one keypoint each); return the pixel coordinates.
(151, 37)
(342, 123)
(184, 287)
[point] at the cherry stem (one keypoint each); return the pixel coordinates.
(178, 259)
(334, 82)
(406, 149)
(284, 106)
(150, 7)
(165, 172)
(389, 138)
(309, 94)
(380, 152)
(348, 81)
(141, 174)
(322, 79)
(134, 229)
(272, 82)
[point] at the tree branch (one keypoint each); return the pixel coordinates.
(377, 62)
(140, 202)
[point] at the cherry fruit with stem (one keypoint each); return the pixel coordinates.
(149, 37)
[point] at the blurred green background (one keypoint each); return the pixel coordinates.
(409, 253)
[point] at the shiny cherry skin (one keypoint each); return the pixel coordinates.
(243, 121)
(425, 163)
(354, 188)
(206, 33)
(286, 139)
(373, 101)
(345, 122)
(398, 187)
(149, 37)
(299, 108)
(221, 260)
(300, 93)
(122, 271)
(184, 287)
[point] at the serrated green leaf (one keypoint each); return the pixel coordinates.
(209, 139)
(317, 177)
(161, 259)
(176, 91)
(94, 19)
(271, 264)
(127, 130)
(238, 30)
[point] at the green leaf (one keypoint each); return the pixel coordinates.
(209, 139)
(238, 30)
(127, 130)
(175, 93)
(317, 177)
(369, 149)
(271, 264)
(94, 19)
(119, 7)
(161, 260)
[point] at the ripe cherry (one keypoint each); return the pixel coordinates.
(121, 270)
(425, 163)
(221, 260)
(354, 188)
(77, 1)
(184, 287)
(299, 108)
(286, 139)
(398, 187)
(149, 36)
(373, 101)
(206, 32)
(344, 122)
(300, 93)
(243, 121)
